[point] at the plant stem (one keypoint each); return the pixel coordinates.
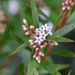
(63, 20)
(48, 52)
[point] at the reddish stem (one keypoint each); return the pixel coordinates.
(48, 52)
(63, 20)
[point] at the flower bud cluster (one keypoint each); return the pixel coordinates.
(39, 40)
(67, 4)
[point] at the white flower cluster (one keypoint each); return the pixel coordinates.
(41, 33)
(39, 40)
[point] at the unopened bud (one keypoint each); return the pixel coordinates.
(31, 27)
(25, 22)
(66, 2)
(68, 7)
(34, 46)
(56, 43)
(31, 40)
(41, 46)
(32, 43)
(27, 33)
(63, 8)
(37, 58)
(62, 4)
(34, 55)
(37, 48)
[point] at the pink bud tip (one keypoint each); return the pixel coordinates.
(27, 33)
(25, 22)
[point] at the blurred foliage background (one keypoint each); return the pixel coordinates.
(14, 12)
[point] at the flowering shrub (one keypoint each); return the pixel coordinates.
(43, 36)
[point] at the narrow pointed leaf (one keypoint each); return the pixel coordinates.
(56, 72)
(40, 12)
(59, 39)
(64, 53)
(58, 19)
(31, 66)
(60, 66)
(21, 69)
(65, 29)
(16, 38)
(35, 72)
(48, 67)
(20, 47)
(69, 72)
(34, 14)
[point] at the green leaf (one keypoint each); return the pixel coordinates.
(48, 67)
(71, 18)
(35, 72)
(64, 53)
(21, 69)
(58, 39)
(40, 12)
(69, 72)
(34, 14)
(60, 66)
(16, 38)
(20, 48)
(58, 19)
(31, 66)
(55, 73)
(65, 29)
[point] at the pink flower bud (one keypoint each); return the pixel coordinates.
(31, 40)
(37, 57)
(37, 48)
(34, 55)
(27, 33)
(39, 60)
(55, 43)
(32, 27)
(25, 22)
(34, 46)
(41, 46)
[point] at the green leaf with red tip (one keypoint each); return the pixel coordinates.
(58, 39)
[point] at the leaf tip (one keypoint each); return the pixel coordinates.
(9, 31)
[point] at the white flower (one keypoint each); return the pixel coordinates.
(38, 40)
(43, 35)
(49, 32)
(38, 30)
